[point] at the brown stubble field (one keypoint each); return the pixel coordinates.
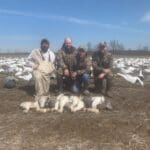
(126, 127)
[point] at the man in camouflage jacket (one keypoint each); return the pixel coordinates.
(66, 61)
(102, 64)
(82, 69)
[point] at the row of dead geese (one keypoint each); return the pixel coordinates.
(71, 102)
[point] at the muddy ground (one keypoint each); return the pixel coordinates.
(126, 127)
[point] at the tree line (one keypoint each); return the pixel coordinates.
(118, 48)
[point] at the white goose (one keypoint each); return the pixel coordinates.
(147, 70)
(141, 76)
(2, 70)
(26, 77)
(131, 79)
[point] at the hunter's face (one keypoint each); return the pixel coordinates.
(45, 47)
(68, 43)
(82, 54)
(102, 49)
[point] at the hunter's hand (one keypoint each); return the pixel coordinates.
(74, 74)
(107, 71)
(79, 72)
(66, 72)
(101, 76)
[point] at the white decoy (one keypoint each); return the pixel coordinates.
(141, 76)
(129, 70)
(26, 77)
(27, 69)
(131, 79)
(18, 73)
(2, 70)
(91, 69)
(147, 70)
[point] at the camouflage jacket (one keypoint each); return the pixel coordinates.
(83, 65)
(66, 59)
(101, 62)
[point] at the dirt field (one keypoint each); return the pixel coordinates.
(126, 127)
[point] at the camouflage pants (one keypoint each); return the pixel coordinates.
(64, 82)
(105, 83)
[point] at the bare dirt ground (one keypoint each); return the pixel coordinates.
(126, 127)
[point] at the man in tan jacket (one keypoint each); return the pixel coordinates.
(42, 62)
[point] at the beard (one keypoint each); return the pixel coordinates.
(68, 49)
(44, 49)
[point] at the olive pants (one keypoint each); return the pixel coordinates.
(106, 83)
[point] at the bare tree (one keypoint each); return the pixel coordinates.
(89, 46)
(116, 46)
(145, 48)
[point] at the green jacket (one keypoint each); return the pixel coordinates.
(101, 62)
(66, 59)
(83, 65)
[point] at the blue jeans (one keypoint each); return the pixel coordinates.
(81, 80)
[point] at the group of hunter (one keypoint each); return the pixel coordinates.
(73, 68)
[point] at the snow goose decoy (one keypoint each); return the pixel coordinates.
(131, 79)
(141, 76)
(26, 77)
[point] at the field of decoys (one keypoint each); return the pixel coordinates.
(125, 126)
(131, 69)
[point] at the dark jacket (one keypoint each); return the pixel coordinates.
(101, 61)
(83, 65)
(66, 59)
